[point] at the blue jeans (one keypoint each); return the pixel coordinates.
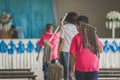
(45, 68)
(86, 75)
(65, 61)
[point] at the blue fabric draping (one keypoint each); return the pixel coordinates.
(119, 48)
(3, 47)
(37, 47)
(20, 48)
(30, 47)
(106, 47)
(12, 47)
(30, 15)
(114, 46)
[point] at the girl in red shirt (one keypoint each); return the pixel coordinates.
(84, 51)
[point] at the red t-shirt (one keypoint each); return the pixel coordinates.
(54, 43)
(86, 61)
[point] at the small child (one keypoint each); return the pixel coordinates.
(84, 51)
(13, 32)
(54, 44)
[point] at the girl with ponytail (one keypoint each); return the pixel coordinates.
(84, 51)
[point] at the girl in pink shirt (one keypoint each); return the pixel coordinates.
(54, 45)
(84, 51)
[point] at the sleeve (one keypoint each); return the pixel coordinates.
(73, 46)
(40, 43)
(62, 32)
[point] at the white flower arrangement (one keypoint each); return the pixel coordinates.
(113, 19)
(5, 20)
(113, 16)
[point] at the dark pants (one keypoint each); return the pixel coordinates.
(65, 61)
(86, 75)
(45, 68)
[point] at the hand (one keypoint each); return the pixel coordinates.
(37, 58)
(58, 56)
(100, 51)
(57, 62)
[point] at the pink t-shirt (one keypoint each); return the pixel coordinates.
(86, 61)
(54, 43)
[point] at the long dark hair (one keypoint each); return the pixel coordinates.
(89, 40)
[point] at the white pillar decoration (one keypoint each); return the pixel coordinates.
(113, 21)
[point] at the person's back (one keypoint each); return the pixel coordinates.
(14, 35)
(53, 42)
(86, 60)
(45, 36)
(68, 32)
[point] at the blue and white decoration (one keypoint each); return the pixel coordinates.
(20, 47)
(11, 47)
(114, 46)
(3, 47)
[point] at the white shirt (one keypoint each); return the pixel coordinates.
(68, 31)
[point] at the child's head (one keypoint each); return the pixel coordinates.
(12, 29)
(81, 19)
(49, 28)
(71, 17)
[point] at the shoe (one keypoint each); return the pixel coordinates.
(72, 77)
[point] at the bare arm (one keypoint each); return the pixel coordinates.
(60, 46)
(38, 53)
(101, 50)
